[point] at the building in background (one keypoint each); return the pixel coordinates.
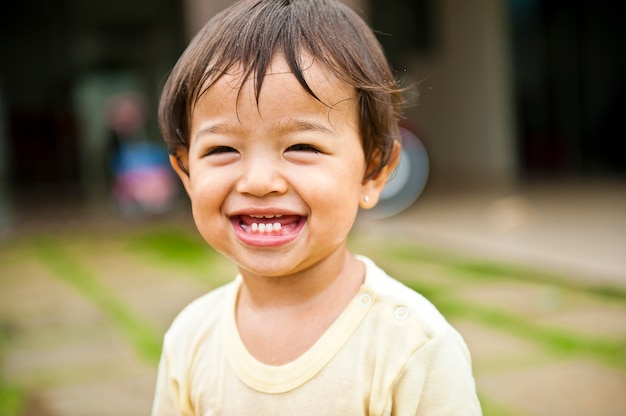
(60, 60)
(506, 90)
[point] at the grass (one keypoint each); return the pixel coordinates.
(173, 246)
(561, 342)
(12, 398)
(180, 248)
(463, 267)
(490, 407)
(450, 302)
(145, 339)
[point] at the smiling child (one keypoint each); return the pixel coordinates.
(281, 120)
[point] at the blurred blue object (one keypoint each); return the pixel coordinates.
(138, 155)
(407, 181)
(143, 182)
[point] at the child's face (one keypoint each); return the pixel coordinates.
(276, 187)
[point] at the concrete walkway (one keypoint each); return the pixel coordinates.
(71, 357)
(575, 228)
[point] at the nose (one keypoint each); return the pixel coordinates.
(261, 176)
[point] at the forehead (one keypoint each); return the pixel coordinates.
(281, 90)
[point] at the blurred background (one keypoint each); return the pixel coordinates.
(519, 235)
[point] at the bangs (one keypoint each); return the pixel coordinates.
(245, 38)
(290, 29)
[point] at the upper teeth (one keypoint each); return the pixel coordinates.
(266, 216)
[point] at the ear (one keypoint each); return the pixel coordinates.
(372, 187)
(180, 164)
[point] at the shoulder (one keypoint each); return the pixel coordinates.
(402, 313)
(200, 316)
(414, 348)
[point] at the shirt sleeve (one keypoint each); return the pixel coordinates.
(437, 380)
(170, 397)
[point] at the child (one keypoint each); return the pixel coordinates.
(281, 119)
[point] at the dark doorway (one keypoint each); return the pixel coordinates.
(569, 60)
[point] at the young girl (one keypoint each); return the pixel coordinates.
(281, 119)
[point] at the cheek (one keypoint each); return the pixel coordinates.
(337, 193)
(206, 195)
(206, 206)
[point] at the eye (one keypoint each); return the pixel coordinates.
(220, 150)
(301, 147)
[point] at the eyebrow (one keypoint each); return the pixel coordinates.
(217, 128)
(289, 126)
(295, 125)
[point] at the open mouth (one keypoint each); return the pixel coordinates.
(264, 226)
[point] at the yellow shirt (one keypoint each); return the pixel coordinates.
(390, 352)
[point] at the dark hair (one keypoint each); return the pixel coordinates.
(251, 33)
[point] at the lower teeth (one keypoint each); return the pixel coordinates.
(266, 228)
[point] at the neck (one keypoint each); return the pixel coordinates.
(338, 276)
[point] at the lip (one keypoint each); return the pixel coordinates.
(290, 227)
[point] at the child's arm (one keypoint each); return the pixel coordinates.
(168, 394)
(437, 380)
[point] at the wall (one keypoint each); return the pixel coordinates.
(465, 100)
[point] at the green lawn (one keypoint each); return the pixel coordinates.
(182, 248)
